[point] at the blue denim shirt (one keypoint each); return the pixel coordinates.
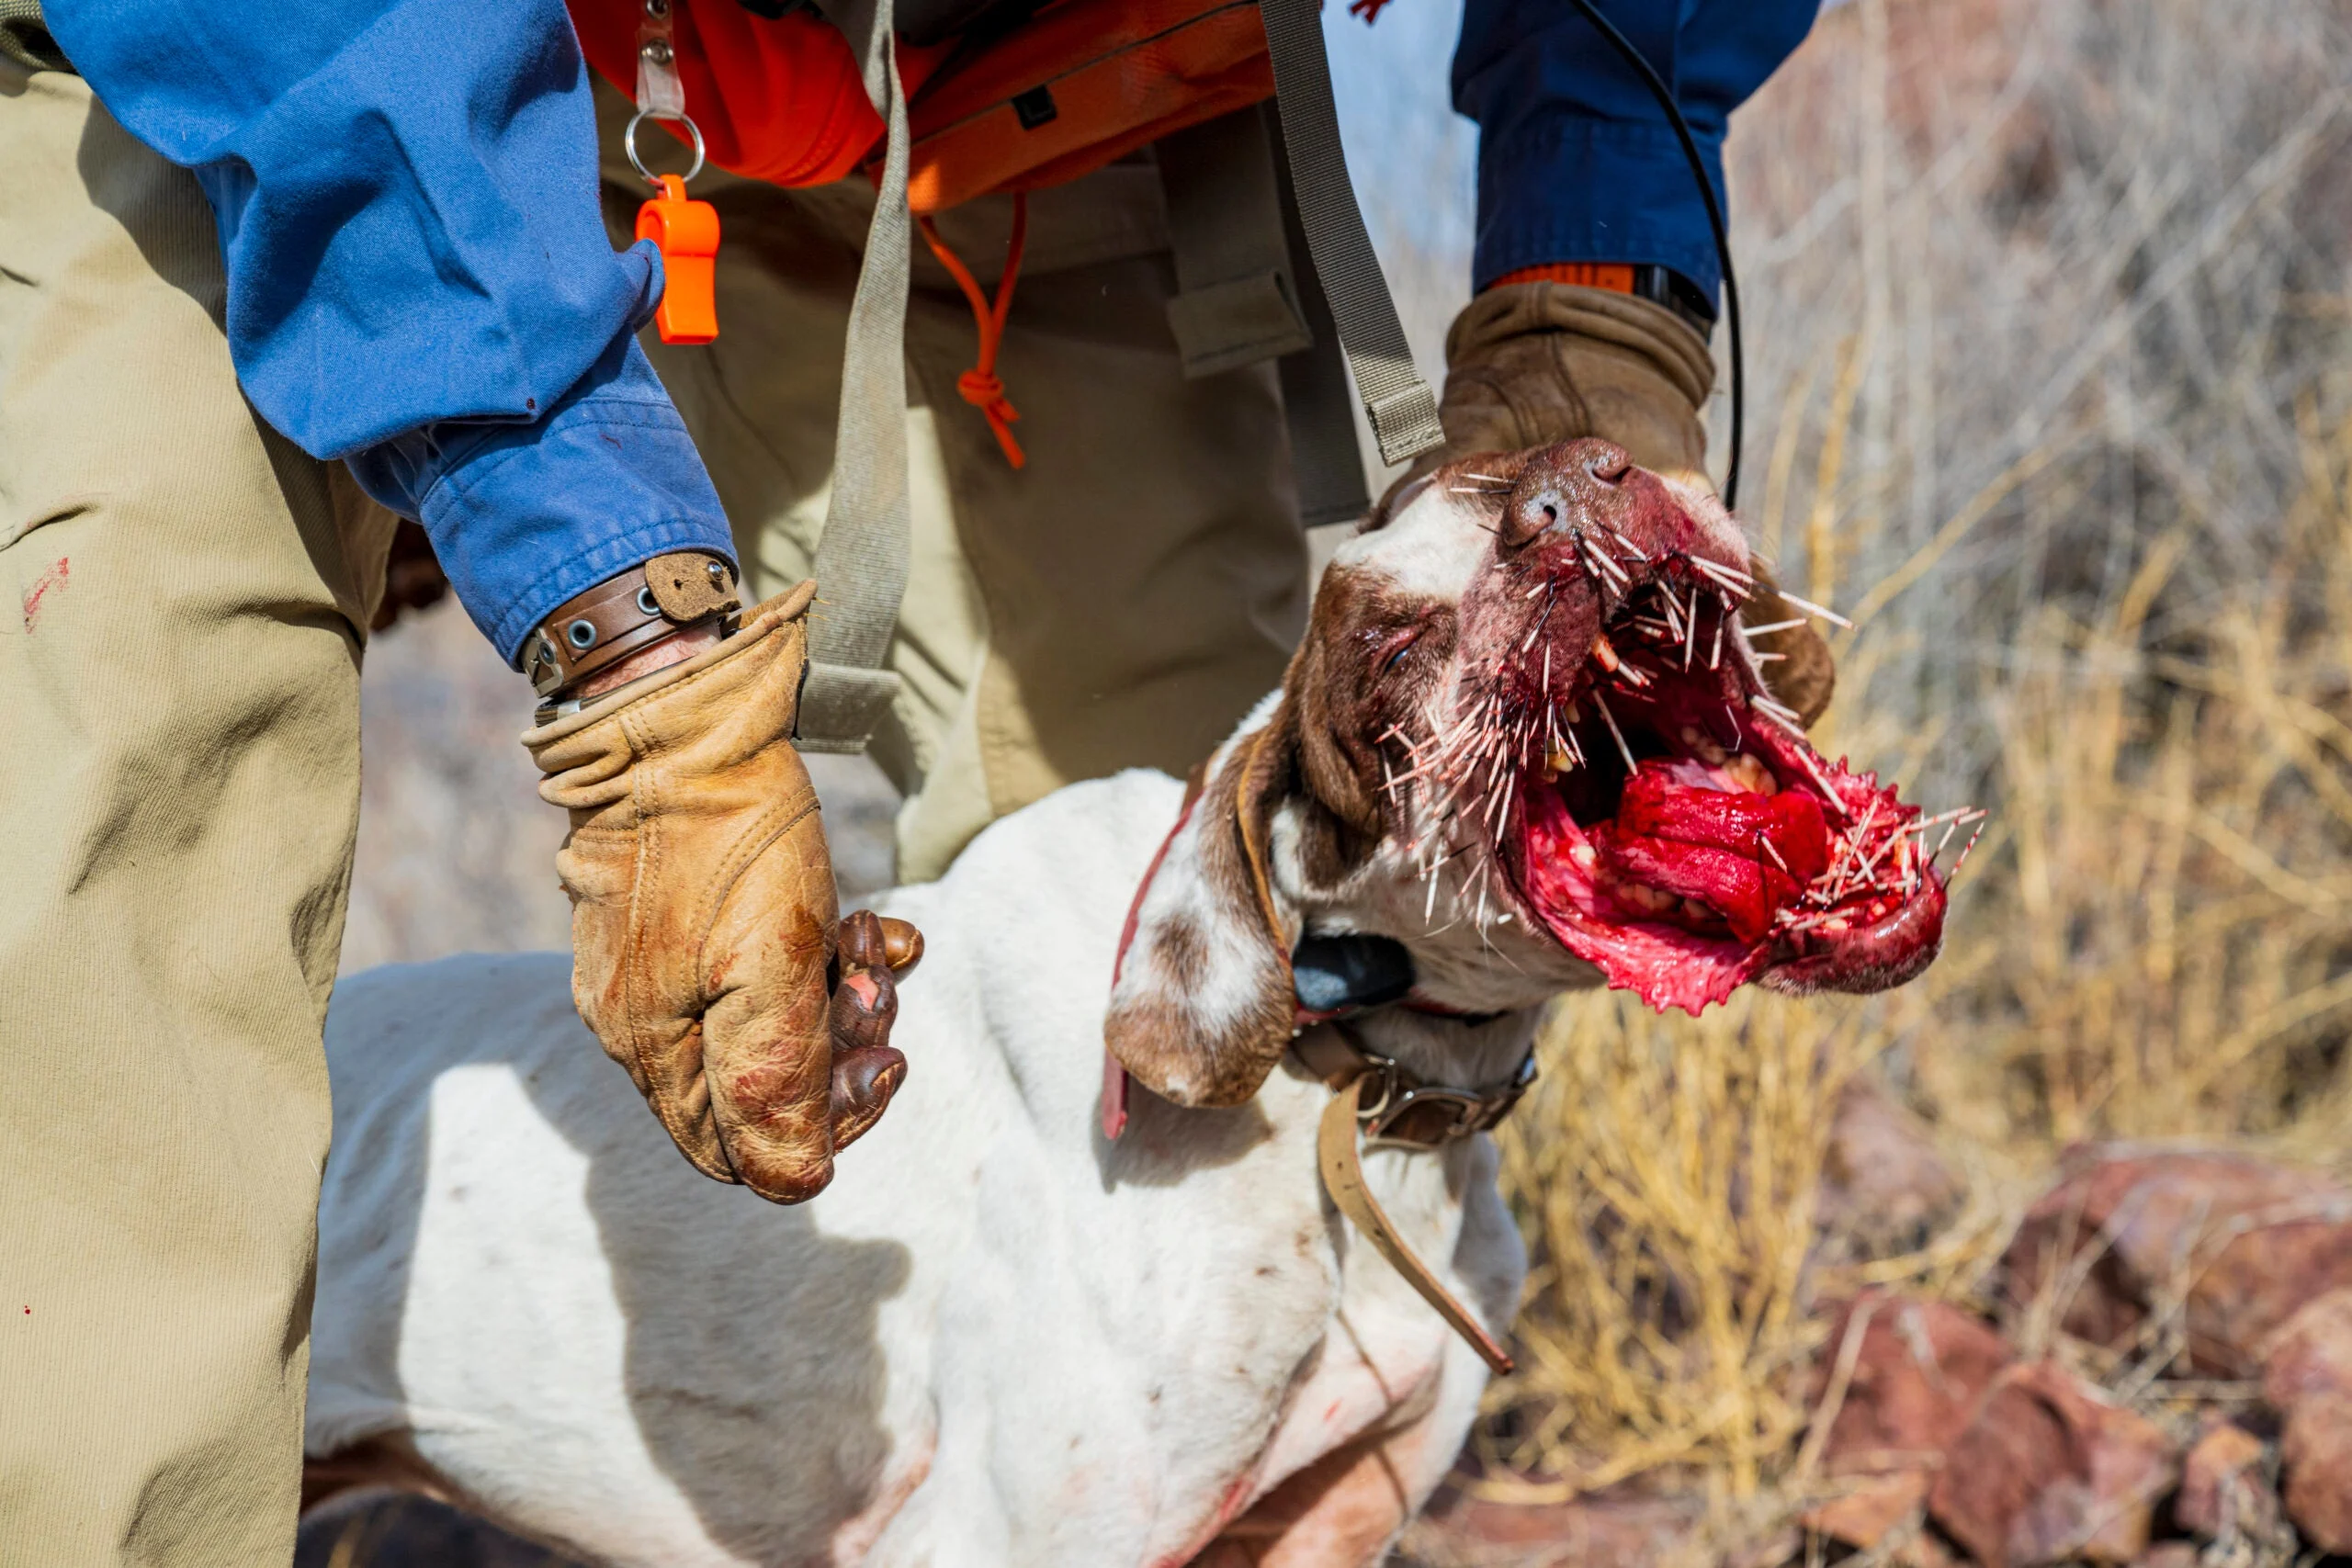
(420, 281)
(1575, 160)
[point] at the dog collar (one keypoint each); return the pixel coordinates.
(1378, 1103)
(1399, 1108)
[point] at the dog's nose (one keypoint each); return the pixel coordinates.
(1575, 482)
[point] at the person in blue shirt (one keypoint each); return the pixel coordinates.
(273, 277)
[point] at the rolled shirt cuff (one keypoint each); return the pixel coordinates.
(524, 517)
(1611, 191)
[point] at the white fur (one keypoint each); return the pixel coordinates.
(997, 1339)
(1433, 544)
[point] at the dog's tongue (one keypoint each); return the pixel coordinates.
(1702, 842)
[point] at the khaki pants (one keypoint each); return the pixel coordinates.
(181, 599)
(1122, 600)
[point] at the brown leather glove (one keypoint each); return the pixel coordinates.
(1531, 364)
(702, 930)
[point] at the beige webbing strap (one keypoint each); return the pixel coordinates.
(1343, 1166)
(1403, 412)
(861, 567)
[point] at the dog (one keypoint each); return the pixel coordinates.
(1062, 1308)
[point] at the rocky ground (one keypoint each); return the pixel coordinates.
(2161, 1375)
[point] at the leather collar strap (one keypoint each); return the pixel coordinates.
(1352, 1072)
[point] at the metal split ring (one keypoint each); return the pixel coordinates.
(628, 144)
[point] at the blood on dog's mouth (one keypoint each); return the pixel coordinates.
(1714, 846)
(1650, 806)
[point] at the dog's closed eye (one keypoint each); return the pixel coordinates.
(1391, 652)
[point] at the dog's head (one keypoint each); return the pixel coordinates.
(1527, 738)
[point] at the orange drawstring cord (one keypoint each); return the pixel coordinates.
(979, 384)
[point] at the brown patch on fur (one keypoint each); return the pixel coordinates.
(1184, 954)
(1155, 1028)
(1362, 672)
(1322, 754)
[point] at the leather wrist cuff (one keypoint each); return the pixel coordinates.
(622, 614)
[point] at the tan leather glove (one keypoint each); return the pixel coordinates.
(703, 921)
(1531, 364)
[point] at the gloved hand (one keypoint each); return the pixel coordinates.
(1531, 364)
(703, 928)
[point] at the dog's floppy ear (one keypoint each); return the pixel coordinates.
(1202, 1007)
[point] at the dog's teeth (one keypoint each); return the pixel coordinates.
(1555, 763)
(1584, 855)
(1704, 746)
(1643, 896)
(1605, 653)
(1750, 774)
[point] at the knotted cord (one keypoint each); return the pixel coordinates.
(981, 386)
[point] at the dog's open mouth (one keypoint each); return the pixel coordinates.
(1652, 805)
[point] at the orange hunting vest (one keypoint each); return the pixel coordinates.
(1077, 84)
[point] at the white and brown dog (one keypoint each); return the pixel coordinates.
(1525, 748)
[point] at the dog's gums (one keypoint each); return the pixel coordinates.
(1642, 796)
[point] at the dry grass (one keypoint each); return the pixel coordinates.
(2050, 391)
(1672, 1223)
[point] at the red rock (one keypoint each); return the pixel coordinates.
(1864, 1516)
(1919, 1368)
(2315, 1452)
(2222, 1489)
(1607, 1530)
(2307, 1377)
(1918, 1372)
(2252, 1239)
(2049, 1471)
(1926, 1550)
(1884, 1185)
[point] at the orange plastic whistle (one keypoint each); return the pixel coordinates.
(686, 233)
